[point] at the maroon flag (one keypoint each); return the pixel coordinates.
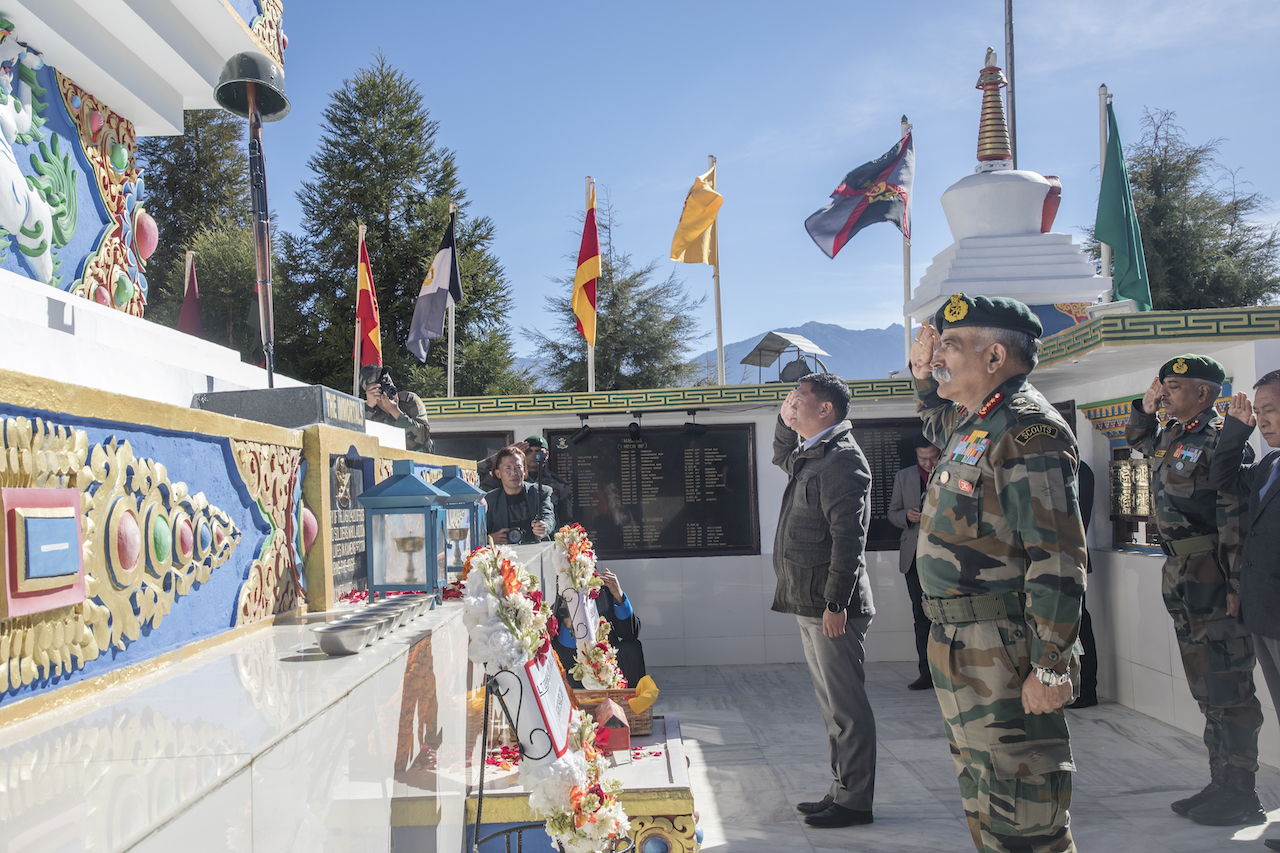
(189, 319)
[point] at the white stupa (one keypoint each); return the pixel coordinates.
(1000, 218)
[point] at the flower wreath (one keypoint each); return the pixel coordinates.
(575, 560)
(597, 663)
(510, 624)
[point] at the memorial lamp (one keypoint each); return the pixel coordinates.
(252, 87)
(463, 505)
(633, 428)
(404, 533)
(693, 427)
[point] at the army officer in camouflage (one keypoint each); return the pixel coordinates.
(1200, 533)
(1001, 557)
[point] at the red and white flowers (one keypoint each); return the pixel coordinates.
(597, 662)
(575, 560)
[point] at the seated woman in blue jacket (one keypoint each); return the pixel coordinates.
(518, 512)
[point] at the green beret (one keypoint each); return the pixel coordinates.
(1192, 366)
(536, 441)
(370, 374)
(997, 312)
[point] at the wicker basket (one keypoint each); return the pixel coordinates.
(641, 723)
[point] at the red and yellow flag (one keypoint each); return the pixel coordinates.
(368, 346)
(584, 281)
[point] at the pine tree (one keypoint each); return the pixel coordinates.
(645, 328)
(1203, 249)
(226, 272)
(378, 162)
(193, 181)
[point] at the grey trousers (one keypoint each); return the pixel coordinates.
(836, 667)
(1267, 650)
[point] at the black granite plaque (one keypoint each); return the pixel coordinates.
(887, 445)
(287, 407)
(667, 493)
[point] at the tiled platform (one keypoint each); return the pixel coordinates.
(757, 746)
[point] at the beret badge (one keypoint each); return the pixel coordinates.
(1180, 366)
(956, 309)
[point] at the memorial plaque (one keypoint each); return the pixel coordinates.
(346, 524)
(667, 493)
(887, 446)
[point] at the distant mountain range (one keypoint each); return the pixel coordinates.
(854, 353)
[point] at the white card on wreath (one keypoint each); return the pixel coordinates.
(534, 695)
(583, 617)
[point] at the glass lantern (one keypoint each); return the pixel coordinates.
(464, 510)
(405, 537)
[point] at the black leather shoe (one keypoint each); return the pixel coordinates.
(1084, 702)
(924, 682)
(1236, 803)
(1272, 843)
(814, 808)
(836, 815)
(1206, 794)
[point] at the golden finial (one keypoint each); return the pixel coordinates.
(993, 133)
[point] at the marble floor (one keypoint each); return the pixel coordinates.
(757, 746)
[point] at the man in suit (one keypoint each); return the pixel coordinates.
(904, 511)
(518, 512)
(819, 556)
(1258, 598)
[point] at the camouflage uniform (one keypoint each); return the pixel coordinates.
(413, 420)
(1002, 518)
(1217, 651)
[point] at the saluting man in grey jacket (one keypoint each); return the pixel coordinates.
(1232, 471)
(819, 558)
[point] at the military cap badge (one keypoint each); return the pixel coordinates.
(956, 308)
(1180, 366)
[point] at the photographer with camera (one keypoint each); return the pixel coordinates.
(518, 512)
(537, 470)
(385, 404)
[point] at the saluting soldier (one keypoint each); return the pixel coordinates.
(1200, 536)
(1001, 557)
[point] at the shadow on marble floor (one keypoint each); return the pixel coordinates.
(757, 746)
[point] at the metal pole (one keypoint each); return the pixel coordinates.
(1008, 95)
(261, 231)
(715, 260)
(358, 349)
(453, 209)
(1103, 97)
(906, 270)
(591, 349)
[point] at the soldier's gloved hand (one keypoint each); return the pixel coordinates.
(1151, 398)
(1242, 410)
(1038, 699)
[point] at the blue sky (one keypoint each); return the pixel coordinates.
(534, 97)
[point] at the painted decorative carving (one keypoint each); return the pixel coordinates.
(25, 212)
(145, 541)
(267, 29)
(272, 474)
(115, 271)
(678, 833)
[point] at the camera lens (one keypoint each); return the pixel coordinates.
(540, 456)
(513, 536)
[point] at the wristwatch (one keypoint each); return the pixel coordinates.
(1049, 678)
(832, 607)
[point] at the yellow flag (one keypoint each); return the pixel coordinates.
(694, 242)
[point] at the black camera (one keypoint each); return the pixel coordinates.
(514, 535)
(540, 456)
(388, 387)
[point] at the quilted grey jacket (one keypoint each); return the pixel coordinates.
(819, 552)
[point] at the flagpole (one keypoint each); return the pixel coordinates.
(1009, 95)
(356, 350)
(715, 259)
(1103, 97)
(453, 208)
(906, 269)
(591, 349)
(186, 273)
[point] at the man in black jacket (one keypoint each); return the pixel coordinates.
(818, 556)
(518, 512)
(1257, 600)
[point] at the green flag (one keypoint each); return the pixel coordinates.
(1117, 224)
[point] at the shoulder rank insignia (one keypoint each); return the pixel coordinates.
(1180, 366)
(971, 447)
(1035, 431)
(991, 403)
(1024, 406)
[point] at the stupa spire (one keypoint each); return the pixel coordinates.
(994, 152)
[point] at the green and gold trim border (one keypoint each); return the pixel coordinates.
(1210, 324)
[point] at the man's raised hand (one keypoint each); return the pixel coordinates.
(789, 406)
(1241, 409)
(1151, 398)
(922, 350)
